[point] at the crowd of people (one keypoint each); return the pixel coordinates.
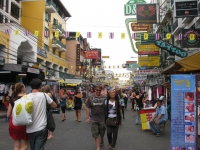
(104, 112)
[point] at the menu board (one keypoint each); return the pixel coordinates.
(183, 112)
(146, 115)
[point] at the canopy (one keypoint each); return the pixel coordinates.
(190, 63)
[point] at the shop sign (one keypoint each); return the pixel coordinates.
(146, 72)
(184, 115)
(73, 81)
(148, 61)
(171, 48)
(140, 77)
(33, 70)
(150, 40)
(91, 54)
(186, 8)
(146, 13)
(140, 27)
(129, 7)
(41, 52)
(150, 49)
(78, 50)
(187, 41)
(2, 61)
(97, 61)
(105, 56)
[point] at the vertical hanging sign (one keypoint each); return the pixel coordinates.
(183, 112)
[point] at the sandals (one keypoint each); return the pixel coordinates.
(101, 144)
(109, 146)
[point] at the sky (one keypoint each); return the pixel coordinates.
(102, 16)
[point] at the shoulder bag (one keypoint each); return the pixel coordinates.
(50, 121)
(112, 121)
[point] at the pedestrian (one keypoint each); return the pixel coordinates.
(122, 104)
(18, 133)
(133, 104)
(96, 105)
(125, 99)
(47, 90)
(37, 131)
(6, 104)
(137, 102)
(113, 114)
(78, 104)
(84, 98)
(63, 101)
(104, 90)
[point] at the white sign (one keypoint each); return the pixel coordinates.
(73, 81)
(146, 72)
(33, 70)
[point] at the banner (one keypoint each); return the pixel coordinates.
(183, 112)
(191, 38)
(97, 61)
(91, 54)
(78, 62)
(140, 27)
(186, 8)
(148, 61)
(150, 49)
(146, 13)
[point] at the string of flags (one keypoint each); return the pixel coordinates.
(134, 36)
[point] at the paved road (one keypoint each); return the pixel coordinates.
(71, 135)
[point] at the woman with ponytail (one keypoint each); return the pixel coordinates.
(18, 133)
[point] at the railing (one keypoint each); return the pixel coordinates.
(57, 26)
(50, 2)
(55, 41)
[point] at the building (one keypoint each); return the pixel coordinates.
(48, 18)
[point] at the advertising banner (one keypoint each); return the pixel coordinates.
(97, 61)
(150, 49)
(186, 8)
(91, 54)
(146, 116)
(183, 112)
(188, 41)
(148, 61)
(146, 13)
(78, 62)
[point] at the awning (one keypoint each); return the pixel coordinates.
(190, 63)
(12, 67)
(172, 68)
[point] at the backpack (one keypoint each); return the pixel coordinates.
(22, 111)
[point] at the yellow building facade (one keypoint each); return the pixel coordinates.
(48, 19)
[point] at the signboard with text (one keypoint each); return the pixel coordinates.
(150, 49)
(140, 27)
(97, 61)
(187, 41)
(148, 61)
(146, 13)
(129, 7)
(91, 54)
(186, 8)
(146, 72)
(183, 112)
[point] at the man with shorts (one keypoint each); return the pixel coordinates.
(96, 103)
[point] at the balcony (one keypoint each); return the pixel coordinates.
(187, 20)
(51, 6)
(57, 27)
(177, 26)
(62, 34)
(57, 44)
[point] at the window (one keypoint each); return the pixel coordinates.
(55, 21)
(46, 47)
(15, 11)
(1, 3)
(60, 54)
(47, 16)
(46, 32)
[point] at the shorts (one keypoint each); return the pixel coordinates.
(98, 128)
(63, 109)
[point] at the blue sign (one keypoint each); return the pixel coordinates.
(183, 112)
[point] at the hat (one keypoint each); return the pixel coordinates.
(158, 100)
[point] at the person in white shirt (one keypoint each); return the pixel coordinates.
(37, 131)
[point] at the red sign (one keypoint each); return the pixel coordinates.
(140, 27)
(91, 54)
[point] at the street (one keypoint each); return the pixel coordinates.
(71, 135)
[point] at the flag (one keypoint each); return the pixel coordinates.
(180, 36)
(192, 37)
(122, 35)
(134, 36)
(16, 32)
(36, 33)
(77, 34)
(67, 34)
(46, 33)
(7, 31)
(157, 36)
(56, 34)
(100, 35)
(26, 32)
(111, 35)
(89, 34)
(146, 36)
(168, 36)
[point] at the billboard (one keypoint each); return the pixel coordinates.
(91, 54)
(146, 13)
(97, 61)
(148, 61)
(187, 41)
(186, 8)
(150, 49)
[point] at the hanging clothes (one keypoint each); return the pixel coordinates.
(150, 94)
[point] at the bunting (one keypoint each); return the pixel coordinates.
(89, 34)
(16, 32)
(7, 31)
(123, 35)
(77, 34)
(36, 33)
(180, 37)
(111, 35)
(100, 35)
(67, 34)
(192, 37)
(46, 33)
(56, 34)
(146, 36)
(134, 36)
(26, 32)
(157, 36)
(168, 36)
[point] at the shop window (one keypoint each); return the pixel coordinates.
(15, 11)
(46, 47)
(47, 17)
